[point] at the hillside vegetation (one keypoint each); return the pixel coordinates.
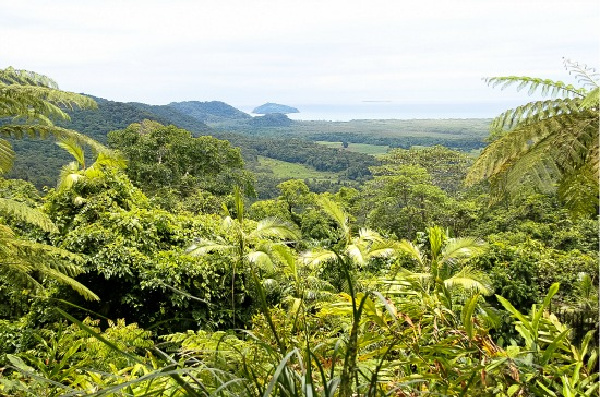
(175, 262)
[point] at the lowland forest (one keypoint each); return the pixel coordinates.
(191, 249)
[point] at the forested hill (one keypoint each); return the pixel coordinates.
(40, 161)
(274, 136)
(112, 115)
(210, 112)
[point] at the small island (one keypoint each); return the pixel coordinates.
(269, 108)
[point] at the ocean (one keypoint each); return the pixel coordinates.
(391, 110)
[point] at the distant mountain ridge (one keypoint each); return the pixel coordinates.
(110, 116)
(211, 112)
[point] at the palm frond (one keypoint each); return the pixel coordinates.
(69, 175)
(382, 250)
(260, 258)
(421, 278)
(369, 235)
(274, 228)
(411, 250)
(203, 247)
(335, 212)
(72, 146)
(355, 254)
(437, 237)
(318, 256)
(463, 248)
(471, 279)
(110, 159)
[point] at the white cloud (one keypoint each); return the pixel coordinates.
(246, 52)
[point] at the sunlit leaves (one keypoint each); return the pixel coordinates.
(544, 142)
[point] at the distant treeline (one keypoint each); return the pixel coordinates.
(465, 144)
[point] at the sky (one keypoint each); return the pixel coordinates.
(248, 52)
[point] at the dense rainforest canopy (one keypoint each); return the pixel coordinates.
(151, 266)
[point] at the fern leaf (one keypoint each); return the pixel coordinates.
(27, 214)
(7, 156)
(534, 84)
(76, 286)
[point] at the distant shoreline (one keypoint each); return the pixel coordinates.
(387, 110)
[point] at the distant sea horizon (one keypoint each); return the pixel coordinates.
(391, 110)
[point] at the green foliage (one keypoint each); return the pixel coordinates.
(544, 142)
(401, 199)
(169, 157)
(236, 307)
(34, 103)
(25, 264)
(447, 167)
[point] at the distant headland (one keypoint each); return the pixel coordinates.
(269, 108)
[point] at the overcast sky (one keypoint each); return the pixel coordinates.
(249, 52)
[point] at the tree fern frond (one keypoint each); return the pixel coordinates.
(579, 191)
(533, 112)
(585, 75)
(7, 156)
(11, 75)
(19, 131)
(592, 100)
(543, 86)
(27, 214)
(546, 141)
(503, 153)
(76, 286)
(53, 257)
